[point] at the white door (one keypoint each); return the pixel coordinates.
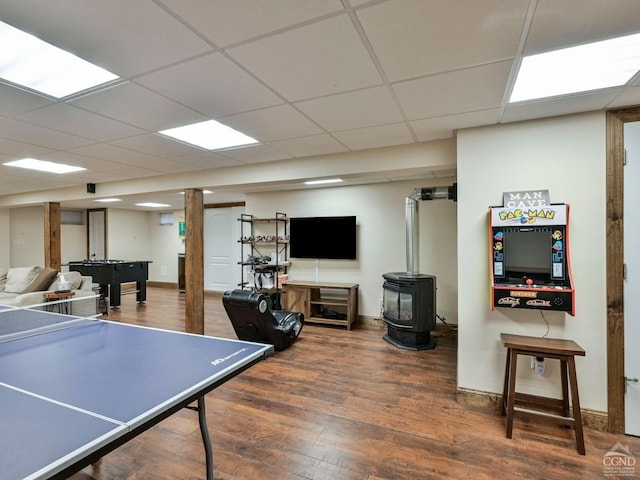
(632, 282)
(96, 220)
(221, 248)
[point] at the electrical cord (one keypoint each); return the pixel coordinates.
(545, 322)
(451, 328)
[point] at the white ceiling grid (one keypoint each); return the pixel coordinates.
(304, 78)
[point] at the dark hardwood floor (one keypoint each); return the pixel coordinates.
(343, 405)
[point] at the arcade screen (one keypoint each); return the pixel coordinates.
(527, 252)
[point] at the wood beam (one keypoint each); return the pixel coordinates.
(194, 261)
(52, 241)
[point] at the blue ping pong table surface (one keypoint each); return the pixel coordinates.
(67, 393)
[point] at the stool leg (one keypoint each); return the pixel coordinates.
(565, 387)
(511, 390)
(503, 410)
(577, 415)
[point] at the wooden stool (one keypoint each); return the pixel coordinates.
(563, 350)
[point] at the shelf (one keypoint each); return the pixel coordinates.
(261, 242)
(258, 266)
(254, 242)
(264, 220)
(330, 303)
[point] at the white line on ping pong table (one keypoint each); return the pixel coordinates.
(66, 405)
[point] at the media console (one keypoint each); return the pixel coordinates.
(319, 304)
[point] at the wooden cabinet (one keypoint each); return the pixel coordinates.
(329, 303)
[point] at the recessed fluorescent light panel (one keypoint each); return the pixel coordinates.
(28, 61)
(43, 166)
(583, 68)
(210, 135)
(152, 205)
(108, 200)
(322, 182)
(205, 192)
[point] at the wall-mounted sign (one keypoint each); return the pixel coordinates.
(526, 199)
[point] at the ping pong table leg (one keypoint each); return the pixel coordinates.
(202, 420)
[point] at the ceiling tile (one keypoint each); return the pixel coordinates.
(40, 136)
(314, 145)
(121, 156)
(420, 37)
(375, 137)
(323, 58)
(72, 120)
(13, 149)
(230, 21)
(152, 112)
(466, 90)
(272, 124)
(125, 37)
(157, 145)
(211, 84)
(14, 101)
(206, 160)
(443, 127)
(561, 23)
(372, 106)
(558, 106)
(254, 154)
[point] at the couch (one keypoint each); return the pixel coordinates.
(26, 286)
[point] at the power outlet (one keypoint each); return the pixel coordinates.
(539, 365)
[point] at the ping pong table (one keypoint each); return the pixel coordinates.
(73, 389)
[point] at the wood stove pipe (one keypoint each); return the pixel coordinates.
(411, 218)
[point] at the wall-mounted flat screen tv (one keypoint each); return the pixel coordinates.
(323, 237)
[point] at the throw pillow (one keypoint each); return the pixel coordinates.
(19, 278)
(3, 278)
(73, 277)
(42, 280)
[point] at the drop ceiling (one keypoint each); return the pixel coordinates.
(304, 78)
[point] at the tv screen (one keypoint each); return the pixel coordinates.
(323, 237)
(527, 251)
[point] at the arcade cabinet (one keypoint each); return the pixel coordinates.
(530, 265)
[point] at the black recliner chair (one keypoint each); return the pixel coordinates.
(253, 321)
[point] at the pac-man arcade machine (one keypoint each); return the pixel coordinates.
(530, 263)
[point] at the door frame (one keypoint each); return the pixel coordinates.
(89, 210)
(615, 120)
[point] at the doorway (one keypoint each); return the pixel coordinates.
(221, 248)
(632, 279)
(615, 121)
(97, 234)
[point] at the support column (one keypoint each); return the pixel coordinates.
(52, 246)
(194, 261)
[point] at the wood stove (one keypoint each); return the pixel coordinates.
(409, 298)
(409, 309)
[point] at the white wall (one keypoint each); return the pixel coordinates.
(380, 218)
(566, 155)
(26, 225)
(73, 242)
(128, 236)
(164, 247)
